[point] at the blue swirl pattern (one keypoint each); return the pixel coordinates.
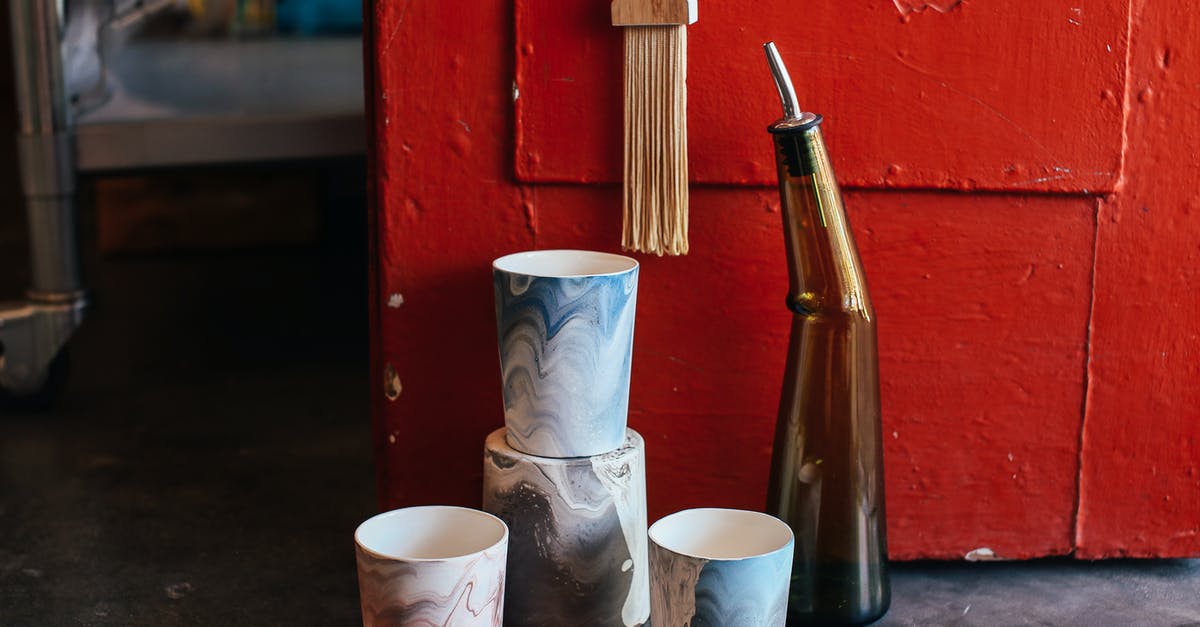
(746, 592)
(696, 592)
(565, 356)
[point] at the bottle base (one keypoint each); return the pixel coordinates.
(815, 620)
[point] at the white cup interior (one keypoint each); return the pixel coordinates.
(434, 532)
(564, 263)
(721, 534)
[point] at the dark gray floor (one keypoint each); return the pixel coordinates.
(211, 458)
(1121, 593)
(211, 455)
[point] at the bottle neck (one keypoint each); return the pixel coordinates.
(823, 265)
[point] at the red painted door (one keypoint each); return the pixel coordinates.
(1021, 183)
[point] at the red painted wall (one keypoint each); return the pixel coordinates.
(1140, 480)
(991, 95)
(1015, 323)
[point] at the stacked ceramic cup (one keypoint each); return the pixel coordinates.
(565, 473)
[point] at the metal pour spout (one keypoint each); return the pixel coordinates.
(783, 82)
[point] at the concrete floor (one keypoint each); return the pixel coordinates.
(1119, 593)
(211, 455)
(211, 458)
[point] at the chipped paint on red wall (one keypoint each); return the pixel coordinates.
(983, 298)
(916, 6)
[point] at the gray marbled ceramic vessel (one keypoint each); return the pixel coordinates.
(720, 568)
(577, 555)
(434, 565)
(564, 320)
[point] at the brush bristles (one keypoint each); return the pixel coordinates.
(656, 162)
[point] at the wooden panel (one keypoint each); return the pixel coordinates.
(1140, 485)
(444, 209)
(982, 301)
(985, 95)
(199, 210)
(983, 306)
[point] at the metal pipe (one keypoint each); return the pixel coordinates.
(783, 82)
(45, 148)
(36, 35)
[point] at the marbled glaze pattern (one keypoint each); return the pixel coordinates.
(691, 591)
(577, 545)
(459, 591)
(565, 355)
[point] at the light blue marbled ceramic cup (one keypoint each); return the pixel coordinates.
(719, 568)
(564, 320)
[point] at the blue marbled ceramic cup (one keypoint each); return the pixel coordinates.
(564, 320)
(719, 567)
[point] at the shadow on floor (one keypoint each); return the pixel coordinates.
(211, 456)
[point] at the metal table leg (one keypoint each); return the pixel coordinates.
(34, 331)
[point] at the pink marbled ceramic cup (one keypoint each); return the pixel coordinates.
(432, 565)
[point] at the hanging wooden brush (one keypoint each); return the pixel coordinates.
(656, 163)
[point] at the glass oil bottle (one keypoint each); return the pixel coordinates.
(826, 477)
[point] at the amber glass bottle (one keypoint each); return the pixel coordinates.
(827, 466)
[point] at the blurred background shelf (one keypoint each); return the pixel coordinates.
(196, 102)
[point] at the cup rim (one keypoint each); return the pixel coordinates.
(404, 510)
(791, 537)
(504, 264)
(631, 440)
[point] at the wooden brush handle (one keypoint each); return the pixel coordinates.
(653, 12)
